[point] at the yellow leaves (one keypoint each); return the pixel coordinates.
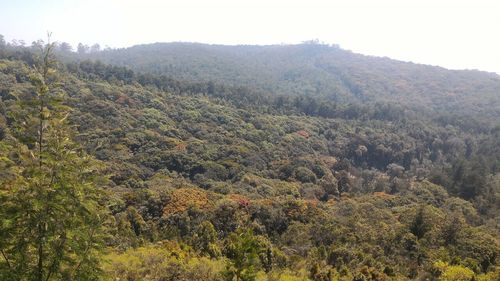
(85, 92)
(440, 265)
(457, 273)
(45, 113)
(452, 272)
(184, 198)
(51, 71)
(3, 65)
(493, 275)
(162, 261)
(328, 161)
(193, 115)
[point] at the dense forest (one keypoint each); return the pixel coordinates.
(313, 69)
(203, 162)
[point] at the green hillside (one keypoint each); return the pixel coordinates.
(298, 162)
(316, 70)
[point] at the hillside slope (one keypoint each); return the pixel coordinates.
(320, 190)
(318, 70)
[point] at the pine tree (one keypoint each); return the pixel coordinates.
(242, 250)
(420, 225)
(51, 214)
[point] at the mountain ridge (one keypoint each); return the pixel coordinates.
(316, 70)
(305, 43)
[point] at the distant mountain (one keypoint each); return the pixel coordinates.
(316, 70)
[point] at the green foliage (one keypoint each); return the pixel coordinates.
(205, 240)
(291, 176)
(243, 250)
(305, 175)
(307, 70)
(420, 224)
(51, 214)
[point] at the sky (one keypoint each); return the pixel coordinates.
(456, 34)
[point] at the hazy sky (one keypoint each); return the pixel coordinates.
(454, 34)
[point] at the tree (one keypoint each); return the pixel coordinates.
(344, 182)
(305, 175)
(95, 48)
(18, 43)
(51, 219)
(205, 240)
(451, 230)
(243, 250)
(446, 272)
(65, 47)
(2, 45)
(38, 44)
(82, 49)
(420, 225)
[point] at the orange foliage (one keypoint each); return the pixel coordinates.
(181, 146)
(124, 100)
(240, 199)
(264, 202)
(311, 203)
(303, 134)
(296, 209)
(184, 198)
(327, 160)
(383, 195)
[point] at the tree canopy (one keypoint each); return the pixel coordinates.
(178, 172)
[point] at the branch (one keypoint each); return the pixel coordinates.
(54, 262)
(86, 251)
(6, 259)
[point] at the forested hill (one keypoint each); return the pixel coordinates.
(315, 69)
(212, 179)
